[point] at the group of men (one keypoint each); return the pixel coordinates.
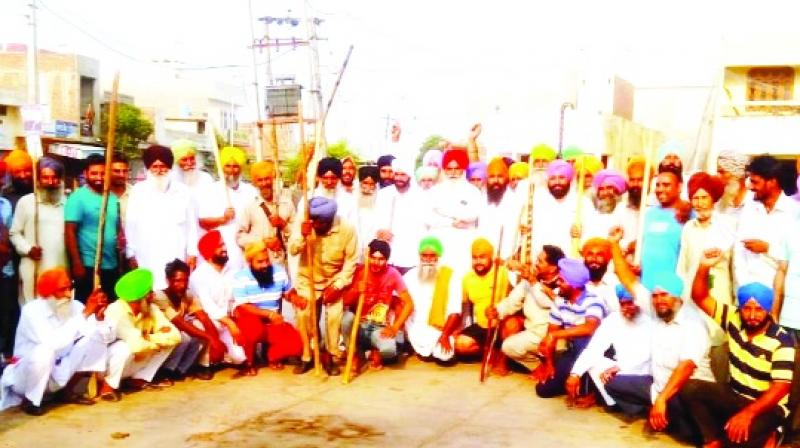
(529, 266)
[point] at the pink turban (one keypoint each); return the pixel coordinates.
(560, 168)
(610, 177)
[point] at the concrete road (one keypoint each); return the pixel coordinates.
(415, 405)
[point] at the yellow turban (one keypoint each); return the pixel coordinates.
(17, 160)
(589, 163)
(482, 246)
(233, 154)
(254, 249)
(543, 152)
(263, 168)
(183, 147)
(518, 170)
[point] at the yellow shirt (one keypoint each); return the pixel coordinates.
(478, 290)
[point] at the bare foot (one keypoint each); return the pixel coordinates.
(586, 401)
(375, 361)
(276, 365)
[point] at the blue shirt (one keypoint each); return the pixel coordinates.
(247, 290)
(5, 216)
(661, 242)
(567, 314)
(83, 209)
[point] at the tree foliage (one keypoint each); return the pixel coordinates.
(340, 150)
(431, 142)
(132, 129)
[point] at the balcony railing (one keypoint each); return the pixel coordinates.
(744, 108)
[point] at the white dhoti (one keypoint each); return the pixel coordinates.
(424, 339)
(43, 370)
(123, 364)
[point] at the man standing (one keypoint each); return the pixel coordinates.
(198, 333)
(269, 217)
(366, 214)
(731, 168)
(187, 173)
(502, 208)
(426, 177)
(160, 225)
(348, 174)
(764, 224)
(574, 317)
(400, 217)
(662, 230)
(211, 284)
(329, 173)
(377, 331)
(476, 174)
(747, 410)
(635, 180)
(608, 186)
(541, 156)
(20, 169)
(385, 169)
(257, 294)
(57, 338)
(120, 171)
(145, 337)
(223, 210)
(81, 220)
(554, 211)
(334, 251)
(49, 252)
(436, 294)
(9, 305)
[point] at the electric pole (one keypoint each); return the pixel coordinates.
(32, 58)
(255, 65)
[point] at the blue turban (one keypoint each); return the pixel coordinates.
(385, 160)
(476, 169)
(762, 294)
(623, 294)
(53, 164)
(574, 272)
(669, 282)
(319, 207)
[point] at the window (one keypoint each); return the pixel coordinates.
(770, 84)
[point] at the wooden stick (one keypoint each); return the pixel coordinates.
(35, 162)
(260, 145)
(637, 254)
(309, 248)
(218, 162)
(112, 134)
(275, 152)
(576, 242)
(527, 240)
(353, 343)
(492, 330)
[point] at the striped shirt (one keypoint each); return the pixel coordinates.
(247, 290)
(567, 314)
(756, 363)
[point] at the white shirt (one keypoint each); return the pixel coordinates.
(213, 204)
(506, 214)
(214, 290)
(553, 218)
(772, 227)
(160, 227)
(451, 201)
(631, 340)
(606, 289)
(403, 214)
(790, 312)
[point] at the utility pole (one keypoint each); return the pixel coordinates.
(316, 84)
(255, 65)
(32, 58)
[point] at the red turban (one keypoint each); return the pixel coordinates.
(457, 154)
(209, 243)
(712, 185)
(49, 281)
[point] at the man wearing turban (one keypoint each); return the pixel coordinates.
(81, 220)
(517, 172)
(502, 208)
(257, 294)
(334, 247)
(270, 217)
(436, 294)
(400, 215)
(77, 342)
(385, 168)
(366, 214)
(670, 157)
(476, 174)
(329, 175)
(679, 348)
(160, 223)
(223, 210)
(20, 168)
(574, 317)
(386, 306)
(455, 206)
(145, 337)
(480, 292)
(731, 167)
(607, 210)
(726, 413)
(596, 253)
(50, 251)
(541, 155)
(187, 172)
(348, 174)
(426, 177)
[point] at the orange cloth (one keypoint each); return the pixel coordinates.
(263, 168)
(49, 281)
(601, 243)
(209, 243)
(18, 159)
(482, 246)
(497, 166)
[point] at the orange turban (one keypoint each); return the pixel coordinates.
(482, 246)
(17, 160)
(635, 162)
(263, 168)
(209, 243)
(597, 243)
(253, 249)
(49, 281)
(497, 167)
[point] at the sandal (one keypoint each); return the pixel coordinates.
(112, 395)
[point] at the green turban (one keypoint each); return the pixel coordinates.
(543, 152)
(134, 285)
(571, 153)
(432, 243)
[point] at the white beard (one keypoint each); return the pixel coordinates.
(189, 177)
(160, 181)
(366, 201)
(427, 273)
(62, 308)
(732, 188)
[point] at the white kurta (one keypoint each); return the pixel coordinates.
(365, 221)
(213, 204)
(451, 201)
(424, 338)
(51, 240)
(49, 351)
(402, 214)
(505, 215)
(553, 218)
(160, 227)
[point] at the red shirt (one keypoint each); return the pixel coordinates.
(379, 293)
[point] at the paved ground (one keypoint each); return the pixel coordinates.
(417, 405)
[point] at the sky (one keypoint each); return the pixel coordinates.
(435, 67)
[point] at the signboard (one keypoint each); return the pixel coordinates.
(75, 151)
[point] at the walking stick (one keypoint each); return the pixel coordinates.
(218, 162)
(637, 254)
(527, 240)
(576, 242)
(492, 330)
(309, 249)
(353, 343)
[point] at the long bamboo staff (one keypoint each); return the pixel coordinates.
(309, 249)
(35, 162)
(576, 242)
(527, 239)
(491, 335)
(218, 162)
(260, 146)
(112, 135)
(353, 343)
(637, 254)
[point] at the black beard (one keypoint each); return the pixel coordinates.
(756, 328)
(386, 182)
(635, 196)
(264, 277)
(596, 274)
(495, 193)
(558, 192)
(22, 186)
(220, 259)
